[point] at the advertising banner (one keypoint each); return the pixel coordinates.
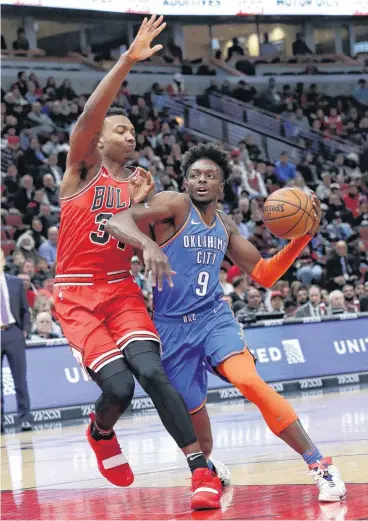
(284, 353)
(210, 7)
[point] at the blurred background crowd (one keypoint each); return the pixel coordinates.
(331, 275)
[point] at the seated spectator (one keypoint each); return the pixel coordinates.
(31, 94)
(21, 43)
(254, 301)
(362, 218)
(261, 238)
(36, 232)
(40, 121)
(228, 288)
(51, 167)
(27, 246)
(336, 303)
(352, 198)
(11, 183)
(337, 209)
(276, 302)
(290, 308)
(14, 262)
(25, 194)
(244, 92)
(253, 182)
(66, 91)
(54, 146)
(177, 86)
(301, 295)
(270, 99)
(51, 191)
(32, 159)
(323, 190)
(21, 83)
(351, 300)
(314, 307)
(48, 249)
(360, 93)
(43, 327)
(307, 269)
(299, 46)
(240, 287)
(284, 169)
(47, 218)
(29, 288)
(341, 267)
(242, 227)
(300, 120)
(333, 122)
(50, 87)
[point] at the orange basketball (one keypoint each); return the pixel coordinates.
(288, 213)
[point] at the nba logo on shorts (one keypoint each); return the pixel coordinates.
(293, 351)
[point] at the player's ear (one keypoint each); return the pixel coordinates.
(185, 184)
(222, 188)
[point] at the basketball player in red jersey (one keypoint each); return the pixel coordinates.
(99, 305)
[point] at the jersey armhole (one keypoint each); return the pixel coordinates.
(64, 200)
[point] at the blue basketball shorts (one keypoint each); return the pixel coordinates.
(195, 343)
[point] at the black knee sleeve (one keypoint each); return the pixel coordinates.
(143, 358)
(117, 385)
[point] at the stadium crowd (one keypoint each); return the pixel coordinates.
(330, 276)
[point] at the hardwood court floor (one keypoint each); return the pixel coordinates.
(52, 473)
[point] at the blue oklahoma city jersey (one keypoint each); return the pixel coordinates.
(195, 253)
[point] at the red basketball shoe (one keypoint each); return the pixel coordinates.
(206, 490)
(111, 461)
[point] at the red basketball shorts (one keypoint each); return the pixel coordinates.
(100, 319)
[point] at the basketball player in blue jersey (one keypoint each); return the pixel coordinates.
(196, 326)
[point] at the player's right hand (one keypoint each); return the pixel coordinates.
(157, 263)
(141, 49)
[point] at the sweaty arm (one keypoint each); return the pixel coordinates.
(248, 259)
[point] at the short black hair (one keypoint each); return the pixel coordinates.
(207, 151)
(116, 110)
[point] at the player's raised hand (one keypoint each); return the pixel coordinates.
(141, 185)
(141, 48)
(316, 215)
(157, 264)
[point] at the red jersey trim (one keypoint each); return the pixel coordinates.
(77, 194)
(121, 180)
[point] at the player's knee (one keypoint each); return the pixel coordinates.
(119, 388)
(249, 385)
(152, 376)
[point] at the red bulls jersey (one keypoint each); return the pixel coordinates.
(84, 246)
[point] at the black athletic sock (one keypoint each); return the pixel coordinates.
(196, 460)
(98, 436)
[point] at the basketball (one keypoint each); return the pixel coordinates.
(288, 213)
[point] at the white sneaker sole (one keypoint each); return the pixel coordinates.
(331, 499)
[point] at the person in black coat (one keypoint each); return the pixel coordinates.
(341, 267)
(15, 325)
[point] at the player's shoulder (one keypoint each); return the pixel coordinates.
(172, 198)
(227, 221)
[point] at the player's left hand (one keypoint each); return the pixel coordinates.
(141, 185)
(316, 215)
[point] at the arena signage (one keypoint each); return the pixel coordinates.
(209, 7)
(301, 353)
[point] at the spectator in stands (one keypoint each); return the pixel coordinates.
(51, 167)
(36, 232)
(50, 88)
(270, 99)
(21, 43)
(242, 227)
(65, 91)
(276, 302)
(51, 191)
(290, 308)
(301, 295)
(299, 46)
(31, 94)
(226, 286)
(32, 159)
(300, 120)
(253, 150)
(360, 93)
(14, 262)
(41, 123)
(313, 307)
(25, 194)
(341, 267)
(26, 245)
(268, 49)
(323, 190)
(235, 48)
(177, 86)
(244, 92)
(254, 301)
(48, 249)
(43, 327)
(336, 303)
(362, 218)
(307, 269)
(352, 198)
(11, 184)
(253, 182)
(261, 238)
(29, 288)
(284, 169)
(240, 288)
(338, 213)
(351, 300)
(22, 83)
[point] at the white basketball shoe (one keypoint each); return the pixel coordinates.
(222, 472)
(328, 480)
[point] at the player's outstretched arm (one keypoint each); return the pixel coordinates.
(86, 133)
(124, 227)
(267, 272)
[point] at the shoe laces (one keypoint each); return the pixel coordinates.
(321, 474)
